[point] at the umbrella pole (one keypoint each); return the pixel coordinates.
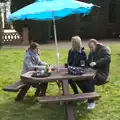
(55, 36)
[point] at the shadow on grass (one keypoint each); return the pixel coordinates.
(30, 109)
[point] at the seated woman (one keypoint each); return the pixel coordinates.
(77, 58)
(32, 62)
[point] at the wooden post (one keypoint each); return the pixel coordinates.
(77, 29)
(68, 105)
(5, 17)
(25, 36)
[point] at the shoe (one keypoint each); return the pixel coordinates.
(91, 106)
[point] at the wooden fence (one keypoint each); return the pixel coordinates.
(11, 37)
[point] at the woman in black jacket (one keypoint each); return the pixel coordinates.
(76, 58)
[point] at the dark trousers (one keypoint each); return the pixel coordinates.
(87, 86)
(73, 86)
(40, 90)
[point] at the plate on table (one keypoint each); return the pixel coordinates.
(40, 74)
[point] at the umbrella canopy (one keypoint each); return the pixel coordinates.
(43, 10)
(51, 10)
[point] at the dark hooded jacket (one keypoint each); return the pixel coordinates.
(75, 58)
(102, 58)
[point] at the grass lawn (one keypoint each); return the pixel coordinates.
(107, 107)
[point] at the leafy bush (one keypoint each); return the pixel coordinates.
(1, 31)
(38, 30)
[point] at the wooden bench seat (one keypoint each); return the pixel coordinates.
(15, 86)
(74, 97)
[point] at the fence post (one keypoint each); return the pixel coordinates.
(25, 36)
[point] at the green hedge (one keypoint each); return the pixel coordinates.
(0, 29)
(38, 30)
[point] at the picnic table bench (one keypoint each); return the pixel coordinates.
(62, 75)
(75, 97)
(67, 98)
(15, 87)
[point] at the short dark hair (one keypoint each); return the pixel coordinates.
(33, 45)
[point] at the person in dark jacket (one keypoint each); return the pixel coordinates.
(76, 58)
(99, 59)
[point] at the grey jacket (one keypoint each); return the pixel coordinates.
(32, 62)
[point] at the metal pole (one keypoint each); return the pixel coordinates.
(55, 36)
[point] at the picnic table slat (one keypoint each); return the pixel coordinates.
(66, 98)
(14, 87)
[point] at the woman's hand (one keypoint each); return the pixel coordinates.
(44, 63)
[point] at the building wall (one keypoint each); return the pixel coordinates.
(97, 24)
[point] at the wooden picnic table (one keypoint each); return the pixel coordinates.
(61, 76)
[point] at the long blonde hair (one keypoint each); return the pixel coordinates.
(76, 43)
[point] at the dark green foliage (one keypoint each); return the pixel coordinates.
(1, 31)
(0, 19)
(3, 1)
(38, 30)
(95, 25)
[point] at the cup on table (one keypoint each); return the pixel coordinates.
(82, 62)
(66, 65)
(51, 69)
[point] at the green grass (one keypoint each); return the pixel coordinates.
(107, 107)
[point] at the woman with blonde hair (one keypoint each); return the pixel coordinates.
(76, 58)
(76, 43)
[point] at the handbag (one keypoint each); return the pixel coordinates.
(75, 70)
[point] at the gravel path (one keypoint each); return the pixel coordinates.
(66, 45)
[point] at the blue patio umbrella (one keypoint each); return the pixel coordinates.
(51, 10)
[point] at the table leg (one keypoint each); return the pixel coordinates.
(22, 93)
(68, 105)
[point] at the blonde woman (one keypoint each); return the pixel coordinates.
(76, 58)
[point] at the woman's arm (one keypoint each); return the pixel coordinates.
(85, 56)
(41, 62)
(30, 65)
(70, 57)
(89, 59)
(105, 57)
